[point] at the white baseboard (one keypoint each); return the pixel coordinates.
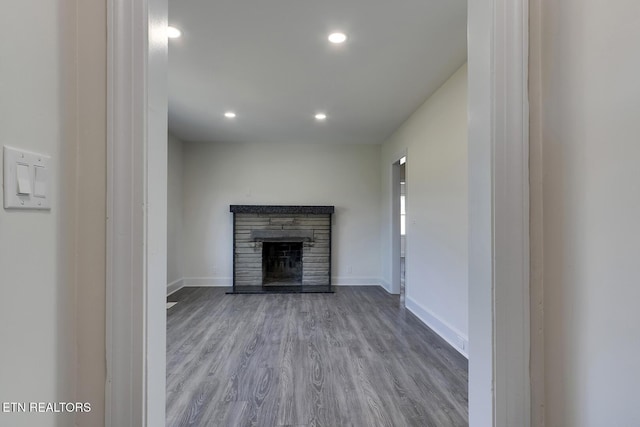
(175, 286)
(208, 281)
(355, 281)
(450, 334)
(386, 286)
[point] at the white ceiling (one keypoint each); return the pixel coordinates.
(271, 63)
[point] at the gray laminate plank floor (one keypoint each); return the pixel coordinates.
(353, 358)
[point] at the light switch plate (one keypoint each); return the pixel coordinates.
(12, 199)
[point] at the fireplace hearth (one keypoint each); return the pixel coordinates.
(281, 248)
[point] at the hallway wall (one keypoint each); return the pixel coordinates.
(435, 140)
(52, 263)
(584, 137)
(37, 308)
(37, 319)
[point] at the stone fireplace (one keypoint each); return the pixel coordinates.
(281, 248)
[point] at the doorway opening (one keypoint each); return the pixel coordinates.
(399, 224)
(499, 370)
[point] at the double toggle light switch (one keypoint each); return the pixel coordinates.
(26, 180)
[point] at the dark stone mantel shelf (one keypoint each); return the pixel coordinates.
(281, 209)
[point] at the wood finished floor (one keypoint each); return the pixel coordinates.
(353, 358)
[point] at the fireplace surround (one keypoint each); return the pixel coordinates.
(281, 248)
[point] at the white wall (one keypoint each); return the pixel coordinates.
(37, 277)
(52, 264)
(435, 140)
(217, 175)
(37, 328)
(587, 125)
(175, 258)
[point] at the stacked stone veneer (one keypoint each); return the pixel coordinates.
(254, 226)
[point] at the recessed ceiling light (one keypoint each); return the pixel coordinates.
(337, 38)
(173, 32)
(321, 116)
(230, 115)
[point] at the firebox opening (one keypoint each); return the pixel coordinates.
(282, 263)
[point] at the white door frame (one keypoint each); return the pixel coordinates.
(136, 212)
(499, 386)
(395, 224)
(499, 343)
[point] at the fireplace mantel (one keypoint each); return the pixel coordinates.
(281, 209)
